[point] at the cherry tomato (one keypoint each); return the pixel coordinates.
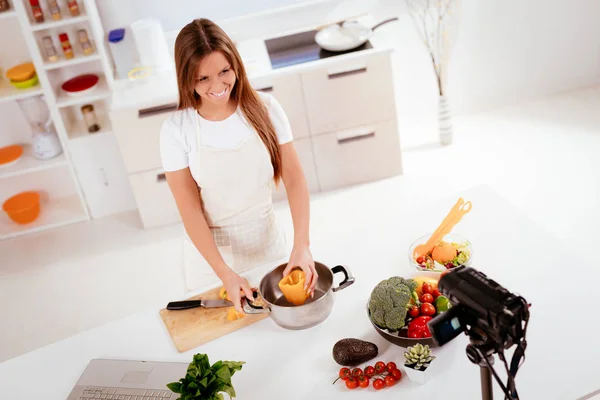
(389, 381)
(414, 311)
(351, 383)
(396, 374)
(363, 381)
(379, 367)
(436, 293)
(427, 309)
(421, 260)
(378, 384)
(391, 366)
(357, 372)
(344, 373)
(369, 371)
(427, 298)
(427, 287)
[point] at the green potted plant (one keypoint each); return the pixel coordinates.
(203, 381)
(418, 358)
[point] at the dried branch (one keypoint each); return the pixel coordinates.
(431, 22)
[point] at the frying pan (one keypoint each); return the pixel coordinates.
(346, 35)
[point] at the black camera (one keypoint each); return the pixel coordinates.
(493, 318)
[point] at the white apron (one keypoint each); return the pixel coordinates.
(236, 189)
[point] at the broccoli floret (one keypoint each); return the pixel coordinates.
(394, 320)
(412, 284)
(378, 316)
(389, 301)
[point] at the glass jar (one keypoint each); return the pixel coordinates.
(73, 7)
(36, 10)
(4, 5)
(84, 41)
(49, 49)
(66, 45)
(54, 10)
(89, 116)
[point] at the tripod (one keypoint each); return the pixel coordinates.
(482, 354)
(485, 370)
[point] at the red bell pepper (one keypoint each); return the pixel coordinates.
(417, 328)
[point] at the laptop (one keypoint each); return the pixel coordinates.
(128, 380)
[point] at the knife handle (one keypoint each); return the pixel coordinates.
(184, 305)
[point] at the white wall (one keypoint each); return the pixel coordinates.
(506, 51)
(174, 14)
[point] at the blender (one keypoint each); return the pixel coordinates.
(45, 142)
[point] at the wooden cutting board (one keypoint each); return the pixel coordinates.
(193, 327)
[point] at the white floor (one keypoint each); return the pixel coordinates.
(542, 156)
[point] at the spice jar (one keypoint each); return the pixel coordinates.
(54, 9)
(36, 10)
(4, 6)
(84, 41)
(73, 7)
(89, 116)
(49, 49)
(66, 45)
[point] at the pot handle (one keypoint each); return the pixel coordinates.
(348, 277)
(250, 308)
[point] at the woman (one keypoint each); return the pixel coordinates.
(222, 150)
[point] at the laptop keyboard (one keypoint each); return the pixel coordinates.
(124, 394)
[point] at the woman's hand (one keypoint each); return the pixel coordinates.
(235, 285)
(301, 257)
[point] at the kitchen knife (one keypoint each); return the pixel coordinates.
(186, 304)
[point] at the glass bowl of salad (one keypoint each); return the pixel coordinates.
(453, 251)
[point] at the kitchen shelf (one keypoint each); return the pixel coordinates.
(28, 163)
(9, 92)
(76, 129)
(54, 213)
(8, 14)
(100, 92)
(74, 61)
(66, 20)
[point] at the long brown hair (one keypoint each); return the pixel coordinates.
(200, 38)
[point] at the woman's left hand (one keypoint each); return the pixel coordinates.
(301, 257)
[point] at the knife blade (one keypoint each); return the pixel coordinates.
(187, 304)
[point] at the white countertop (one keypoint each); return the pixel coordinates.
(507, 246)
(162, 88)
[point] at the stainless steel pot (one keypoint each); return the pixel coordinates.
(314, 311)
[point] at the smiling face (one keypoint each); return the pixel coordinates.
(215, 79)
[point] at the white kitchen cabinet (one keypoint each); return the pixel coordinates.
(349, 93)
(156, 205)
(102, 176)
(288, 91)
(358, 155)
(305, 154)
(138, 135)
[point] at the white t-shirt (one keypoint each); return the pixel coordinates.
(179, 142)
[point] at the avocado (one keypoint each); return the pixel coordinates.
(351, 352)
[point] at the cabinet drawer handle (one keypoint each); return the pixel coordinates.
(354, 138)
(266, 89)
(161, 177)
(165, 108)
(346, 73)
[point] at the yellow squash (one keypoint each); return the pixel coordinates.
(292, 287)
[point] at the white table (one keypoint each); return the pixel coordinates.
(562, 360)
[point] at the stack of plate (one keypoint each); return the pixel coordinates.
(22, 76)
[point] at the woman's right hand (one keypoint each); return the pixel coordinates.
(235, 285)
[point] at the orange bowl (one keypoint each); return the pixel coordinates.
(23, 208)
